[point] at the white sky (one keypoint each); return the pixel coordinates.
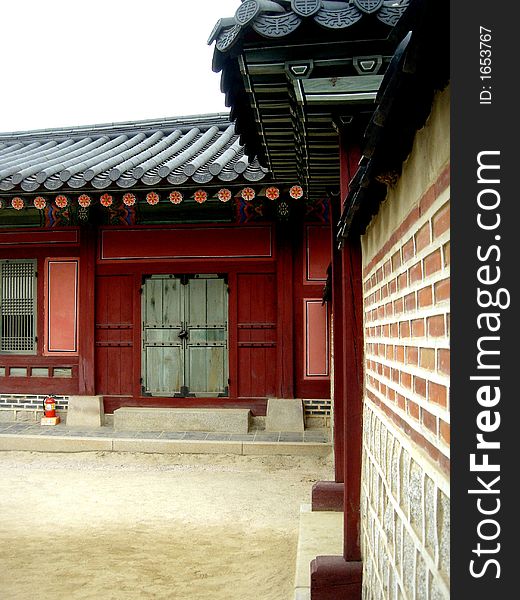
(97, 61)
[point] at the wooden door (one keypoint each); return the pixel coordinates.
(206, 341)
(163, 346)
(185, 335)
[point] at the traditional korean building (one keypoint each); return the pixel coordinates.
(352, 98)
(154, 264)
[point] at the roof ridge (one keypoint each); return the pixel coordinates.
(118, 127)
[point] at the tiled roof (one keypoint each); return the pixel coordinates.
(165, 151)
(279, 18)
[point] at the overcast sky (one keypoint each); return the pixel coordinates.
(97, 61)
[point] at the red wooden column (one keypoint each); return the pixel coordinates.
(87, 311)
(341, 576)
(285, 313)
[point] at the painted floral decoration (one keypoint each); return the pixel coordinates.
(61, 201)
(106, 200)
(17, 203)
(224, 195)
(129, 199)
(283, 210)
(248, 194)
(175, 197)
(39, 203)
(200, 196)
(272, 193)
(84, 201)
(296, 192)
(152, 198)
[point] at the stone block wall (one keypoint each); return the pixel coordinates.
(406, 423)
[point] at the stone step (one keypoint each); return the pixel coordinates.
(221, 420)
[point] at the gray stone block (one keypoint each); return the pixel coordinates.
(284, 414)
(225, 420)
(85, 411)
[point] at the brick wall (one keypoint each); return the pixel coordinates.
(406, 271)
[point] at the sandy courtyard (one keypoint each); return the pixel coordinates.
(115, 525)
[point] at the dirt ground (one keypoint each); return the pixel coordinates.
(120, 525)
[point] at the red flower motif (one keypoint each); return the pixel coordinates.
(17, 203)
(106, 200)
(152, 198)
(224, 195)
(39, 203)
(84, 201)
(296, 192)
(175, 197)
(272, 193)
(248, 194)
(129, 199)
(200, 196)
(61, 201)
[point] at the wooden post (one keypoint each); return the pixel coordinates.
(87, 311)
(353, 394)
(285, 314)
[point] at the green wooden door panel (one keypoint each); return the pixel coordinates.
(163, 351)
(195, 363)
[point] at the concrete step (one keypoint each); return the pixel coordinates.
(320, 534)
(222, 420)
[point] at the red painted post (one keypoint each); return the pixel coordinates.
(353, 390)
(86, 384)
(285, 314)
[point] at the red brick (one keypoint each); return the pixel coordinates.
(422, 237)
(443, 181)
(390, 352)
(413, 410)
(410, 302)
(427, 358)
(442, 290)
(429, 421)
(385, 330)
(418, 328)
(395, 375)
(379, 274)
(390, 394)
(441, 221)
(412, 355)
(392, 286)
(427, 200)
(396, 260)
(443, 356)
(387, 268)
(404, 329)
(380, 349)
(401, 401)
(408, 250)
(389, 309)
(394, 330)
(399, 353)
(432, 263)
(419, 385)
(415, 273)
(402, 281)
(444, 431)
(380, 312)
(406, 380)
(398, 306)
(386, 371)
(436, 326)
(373, 280)
(425, 296)
(438, 394)
(382, 389)
(384, 291)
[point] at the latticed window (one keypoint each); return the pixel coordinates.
(17, 306)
